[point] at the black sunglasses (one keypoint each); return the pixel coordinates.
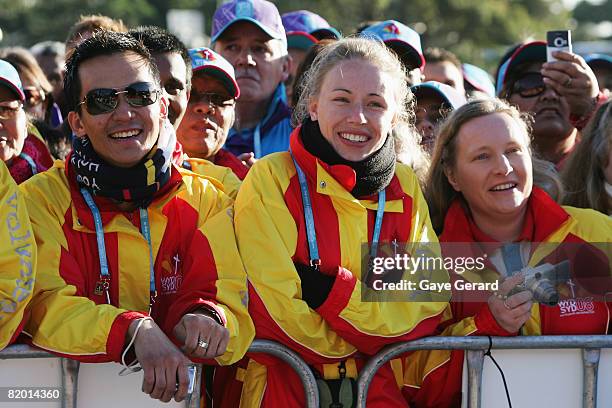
(214, 99)
(105, 100)
(529, 85)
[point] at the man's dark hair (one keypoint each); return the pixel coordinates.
(102, 43)
(435, 54)
(160, 41)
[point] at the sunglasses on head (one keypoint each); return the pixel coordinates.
(33, 96)
(105, 100)
(529, 85)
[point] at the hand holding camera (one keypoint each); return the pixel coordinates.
(568, 74)
(511, 310)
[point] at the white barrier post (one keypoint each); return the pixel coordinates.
(590, 361)
(475, 362)
(70, 382)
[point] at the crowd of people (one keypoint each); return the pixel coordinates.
(162, 205)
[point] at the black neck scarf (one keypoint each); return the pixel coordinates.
(373, 173)
(136, 184)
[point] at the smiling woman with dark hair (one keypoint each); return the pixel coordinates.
(489, 197)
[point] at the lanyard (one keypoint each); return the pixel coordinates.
(311, 234)
(145, 228)
(257, 141)
(104, 283)
(380, 212)
(30, 161)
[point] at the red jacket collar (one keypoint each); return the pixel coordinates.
(342, 173)
(227, 159)
(543, 217)
(108, 208)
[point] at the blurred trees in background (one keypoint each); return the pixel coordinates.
(477, 30)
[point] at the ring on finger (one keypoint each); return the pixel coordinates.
(203, 344)
(568, 83)
(500, 296)
(506, 304)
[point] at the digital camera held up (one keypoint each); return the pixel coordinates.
(542, 281)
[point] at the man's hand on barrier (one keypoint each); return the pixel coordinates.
(511, 312)
(202, 335)
(164, 365)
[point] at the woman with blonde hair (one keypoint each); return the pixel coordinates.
(588, 172)
(484, 192)
(302, 217)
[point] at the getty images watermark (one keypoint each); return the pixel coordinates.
(470, 272)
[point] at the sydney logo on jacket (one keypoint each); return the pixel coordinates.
(172, 277)
(578, 306)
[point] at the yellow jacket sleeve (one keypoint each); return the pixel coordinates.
(17, 258)
(60, 316)
(216, 279)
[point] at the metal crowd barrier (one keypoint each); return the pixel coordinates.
(70, 374)
(475, 349)
(299, 366)
(70, 371)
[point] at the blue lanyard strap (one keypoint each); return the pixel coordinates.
(30, 161)
(257, 141)
(145, 228)
(311, 234)
(380, 212)
(99, 232)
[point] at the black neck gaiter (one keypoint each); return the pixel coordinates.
(373, 173)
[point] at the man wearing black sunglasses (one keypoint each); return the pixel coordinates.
(560, 95)
(131, 250)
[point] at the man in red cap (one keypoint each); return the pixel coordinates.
(561, 96)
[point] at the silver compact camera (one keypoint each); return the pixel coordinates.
(542, 281)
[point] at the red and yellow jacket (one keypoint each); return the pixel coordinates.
(271, 234)
(196, 264)
(17, 258)
(230, 183)
(35, 148)
(227, 159)
(433, 378)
